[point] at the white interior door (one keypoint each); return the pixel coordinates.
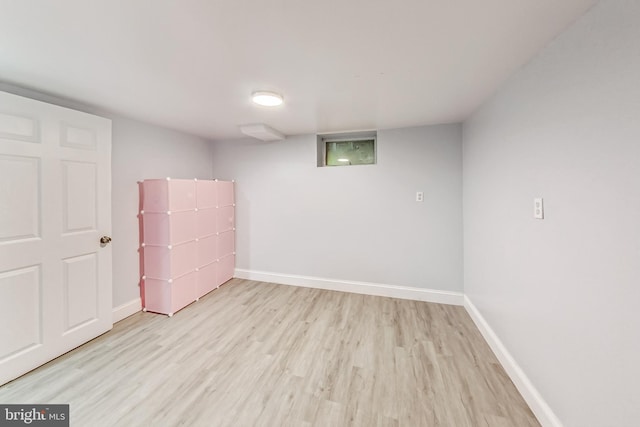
(55, 204)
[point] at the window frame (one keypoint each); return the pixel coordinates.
(324, 139)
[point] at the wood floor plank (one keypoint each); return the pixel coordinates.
(260, 354)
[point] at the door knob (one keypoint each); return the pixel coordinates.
(105, 239)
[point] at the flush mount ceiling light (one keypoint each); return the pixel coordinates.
(267, 99)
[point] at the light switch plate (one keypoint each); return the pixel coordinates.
(419, 196)
(538, 208)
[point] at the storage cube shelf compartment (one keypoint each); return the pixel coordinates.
(225, 194)
(167, 262)
(188, 240)
(206, 278)
(207, 250)
(167, 297)
(225, 244)
(225, 269)
(225, 218)
(206, 221)
(207, 193)
(162, 195)
(169, 229)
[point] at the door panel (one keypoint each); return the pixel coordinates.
(79, 196)
(55, 277)
(21, 287)
(75, 137)
(80, 290)
(19, 197)
(18, 127)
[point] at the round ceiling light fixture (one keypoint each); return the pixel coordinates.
(267, 99)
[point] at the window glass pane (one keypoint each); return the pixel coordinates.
(345, 153)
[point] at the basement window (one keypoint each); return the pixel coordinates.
(347, 149)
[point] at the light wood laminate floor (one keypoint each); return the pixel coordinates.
(259, 354)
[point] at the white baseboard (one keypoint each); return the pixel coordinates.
(542, 411)
(377, 289)
(127, 309)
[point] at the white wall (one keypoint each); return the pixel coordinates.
(358, 223)
(139, 151)
(562, 293)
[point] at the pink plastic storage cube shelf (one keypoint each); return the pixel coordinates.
(162, 195)
(188, 240)
(165, 229)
